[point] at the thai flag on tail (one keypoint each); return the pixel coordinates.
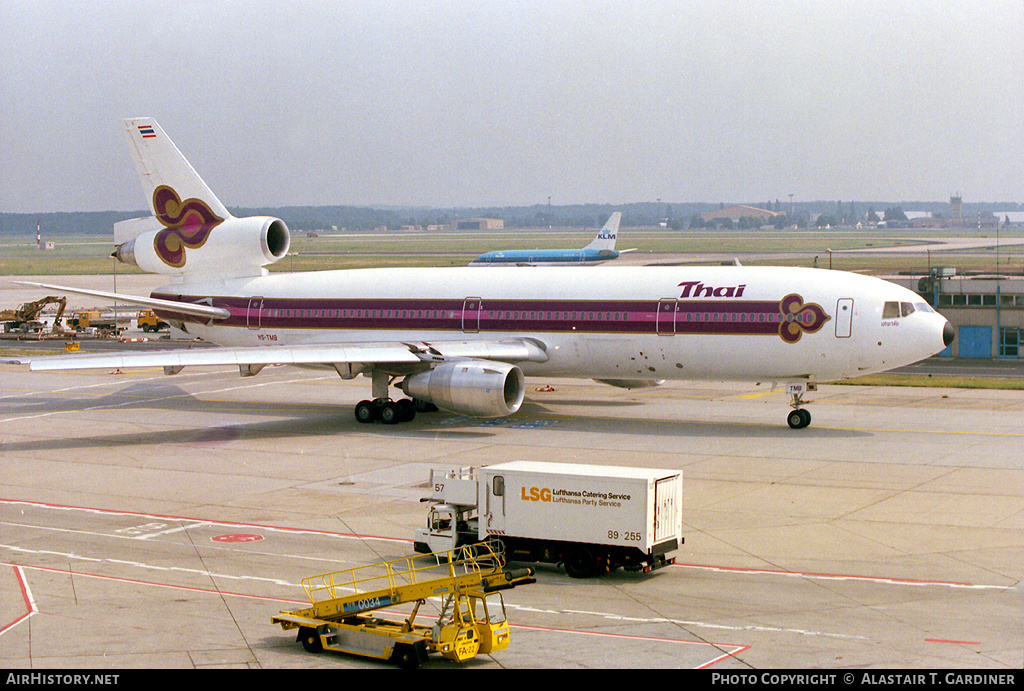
(147, 131)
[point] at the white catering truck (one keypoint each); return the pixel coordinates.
(592, 519)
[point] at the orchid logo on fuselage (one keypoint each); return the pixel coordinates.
(800, 318)
(186, 225)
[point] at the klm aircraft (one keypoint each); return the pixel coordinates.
(600, 250)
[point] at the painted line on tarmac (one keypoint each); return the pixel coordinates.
(154, 584)
(26, 597)
(736, 648)
(136, 399)
(885, 580)
(171, 517)
(684, 622)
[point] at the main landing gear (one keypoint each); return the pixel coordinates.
(382, 408)
(391, 412)
(799, 418)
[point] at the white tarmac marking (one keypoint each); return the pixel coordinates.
(135, 400)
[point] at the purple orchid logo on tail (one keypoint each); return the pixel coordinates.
(186, 225)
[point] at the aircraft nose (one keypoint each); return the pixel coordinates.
(948, 333)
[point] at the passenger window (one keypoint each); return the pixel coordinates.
(891, 310)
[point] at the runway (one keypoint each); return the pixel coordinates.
(153, 521)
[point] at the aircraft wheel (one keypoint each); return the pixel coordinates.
(423, 406)
(407, 409)
(799, 418)
(366, 411)
(391, 413)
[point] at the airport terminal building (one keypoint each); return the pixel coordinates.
(987, 312)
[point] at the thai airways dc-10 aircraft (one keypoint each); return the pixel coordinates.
(464, 338)
(600, 250)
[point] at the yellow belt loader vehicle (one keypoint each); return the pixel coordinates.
(343, 615)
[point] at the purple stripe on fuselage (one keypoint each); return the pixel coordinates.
(738, 317)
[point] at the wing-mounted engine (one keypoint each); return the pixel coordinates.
(225, 247)
(478, 388)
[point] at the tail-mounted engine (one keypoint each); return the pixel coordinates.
(229, 247)
(478, 388)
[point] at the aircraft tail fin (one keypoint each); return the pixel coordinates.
(190, 231)
(169, 182)
(605, 239)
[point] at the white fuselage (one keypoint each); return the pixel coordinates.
(622, 323)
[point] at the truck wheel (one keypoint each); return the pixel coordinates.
(405, 656)
(311, 640)
(580, 563)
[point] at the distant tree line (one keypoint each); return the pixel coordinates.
(675, 216)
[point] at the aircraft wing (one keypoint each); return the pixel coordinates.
(506, 350)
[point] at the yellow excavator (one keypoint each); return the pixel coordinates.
(22, 318)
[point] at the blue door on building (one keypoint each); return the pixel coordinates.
(975, 341)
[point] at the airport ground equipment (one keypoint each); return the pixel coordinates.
(591, 519)
(148, 321)
(343, 616)
(101, 325)
(25, 318)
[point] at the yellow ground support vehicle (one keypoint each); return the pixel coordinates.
(472, 615)
(148, 321)
(84, 320)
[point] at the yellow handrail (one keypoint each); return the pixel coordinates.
(390, 575)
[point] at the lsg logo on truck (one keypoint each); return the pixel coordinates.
(536, 494)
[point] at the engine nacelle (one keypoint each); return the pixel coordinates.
(235, 246)
(478, 388)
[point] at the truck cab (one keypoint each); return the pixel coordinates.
(448, 526)
(148, 321)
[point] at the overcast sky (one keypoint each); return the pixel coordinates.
(435, 103)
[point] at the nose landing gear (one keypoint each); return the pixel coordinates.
(799, 417)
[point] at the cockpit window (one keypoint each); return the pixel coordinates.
(895, 310)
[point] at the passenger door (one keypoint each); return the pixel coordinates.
(844, 317)
(254, 312)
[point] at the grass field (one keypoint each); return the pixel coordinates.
(91, 255)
